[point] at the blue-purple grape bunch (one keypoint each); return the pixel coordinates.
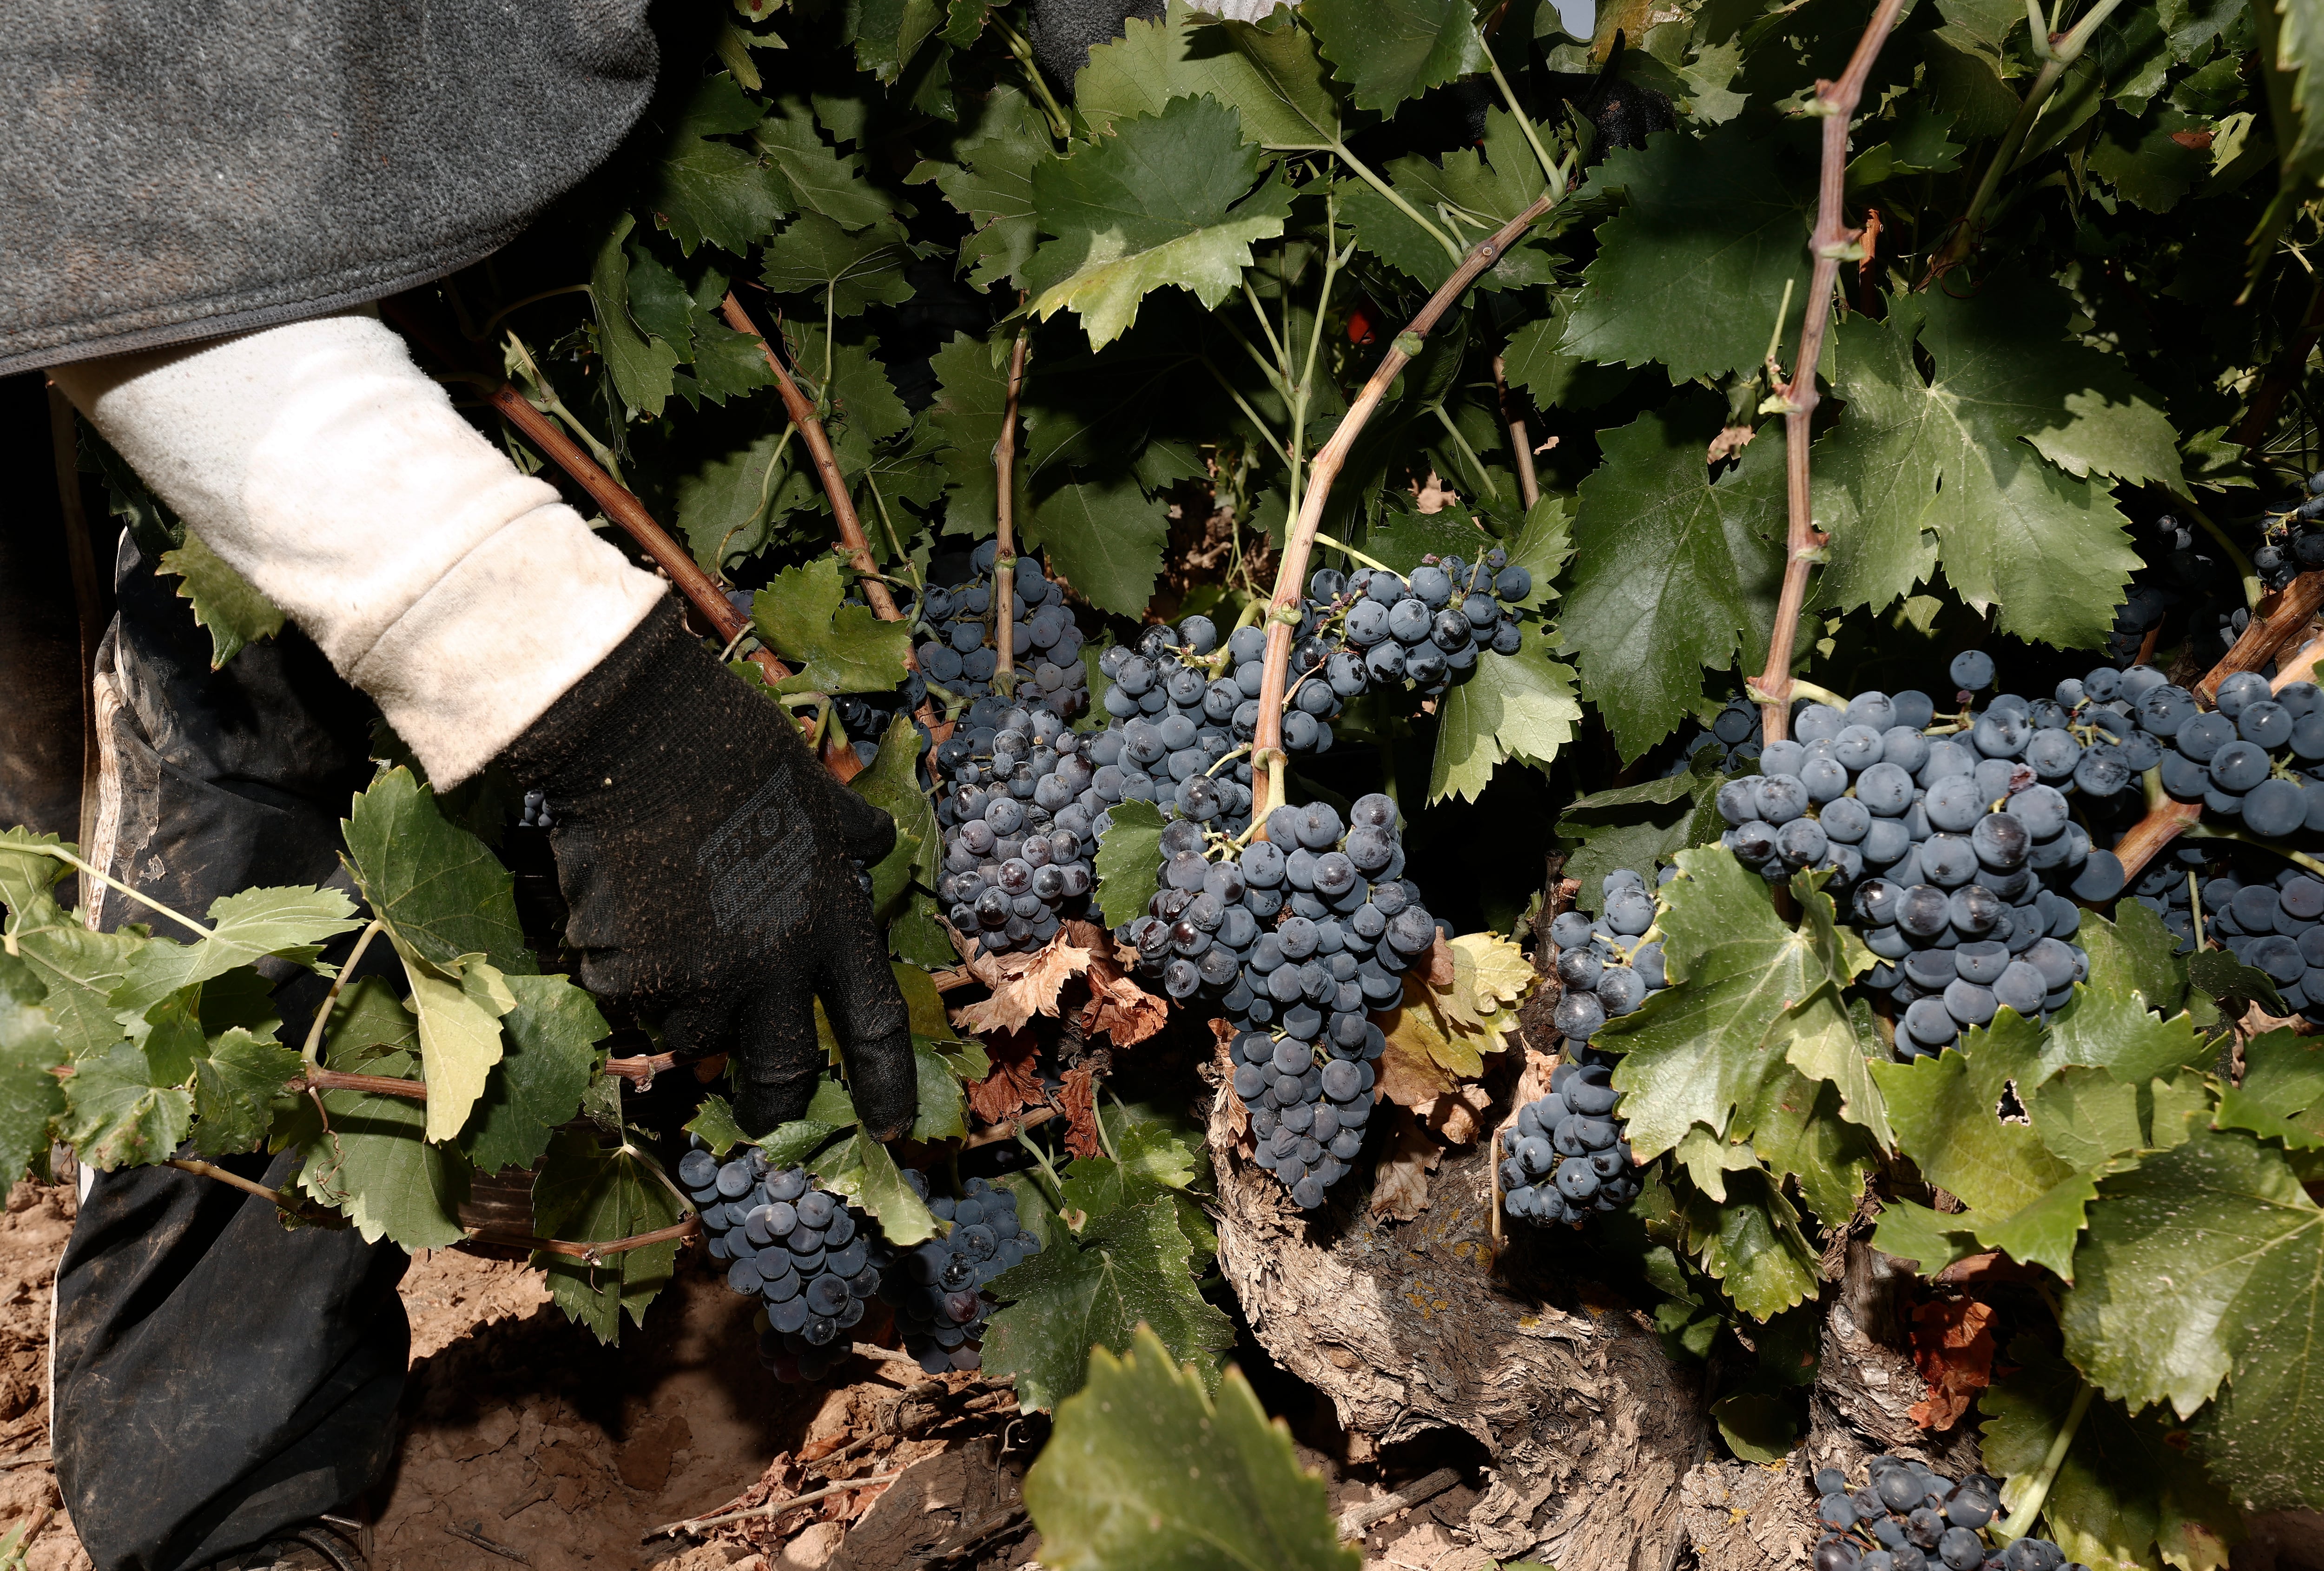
(1426, 631)
(1905, 1517)
(959, 628)
(1568, 1157)
(803, 1251)
(935, 1287)
(2257, 758)
(2293, 536)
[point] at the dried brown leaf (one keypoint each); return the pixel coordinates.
(1023, 986)
(1015, 1083)
(1118, 1008)
(1400, 1185)
(1952, 1347)
(1458, 1117)
(1410, 1071)
(1440, 969)
(1079, 1099)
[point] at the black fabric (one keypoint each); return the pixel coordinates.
(218, 1378)
(39, 627)
(1064, 31)
(705, 854)
(176, 169)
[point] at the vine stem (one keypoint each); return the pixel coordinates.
(2283, 373)
(313, 1045)
(2063, 53)
(1004, 521)
(853, 542)
(1520, 439)
(1283, 609)
(2021, 1520)
(1804, 542)
(114, 884)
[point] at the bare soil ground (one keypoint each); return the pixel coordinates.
(525, 1443)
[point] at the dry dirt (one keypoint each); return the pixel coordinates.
(525, 1443)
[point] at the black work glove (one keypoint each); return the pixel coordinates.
(705, 854)
(1064, 31)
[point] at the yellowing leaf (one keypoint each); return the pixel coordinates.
(459, 1035)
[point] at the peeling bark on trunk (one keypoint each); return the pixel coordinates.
(1866, 1386)
(1405, 1328)
(1743, 1515)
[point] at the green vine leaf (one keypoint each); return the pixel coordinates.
(549, 1051)
(1147, 1468)
(1129, 1269)
(1389, 50)
(1128, 860)
(1165, 202)
(31, 1051)
(590, 1192)
(224, 601)
(2126, 1491)
(375, 1163)
(238, 1090)
(440, 887)
(292, 923)
(836, 647)
(1924, 471)
(2202, 1280)
(1517, 706)
(708, 192)
(1675, 573)
(2282, 1097)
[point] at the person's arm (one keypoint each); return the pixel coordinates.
(705, 856)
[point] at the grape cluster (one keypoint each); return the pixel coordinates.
(2268, 919)
(1608, 965)
(1182, 713)
(933, 1287)
(1017, 814)
(1732, 740)
(2258, 757)
(1295, 946)
(1570, 1157)
(960, 652)
(1956, 843)
(1426, 631)
(806, 1252)
(2293, 537)
(1906, 1518)
(535, 814)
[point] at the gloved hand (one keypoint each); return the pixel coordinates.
(705, 854)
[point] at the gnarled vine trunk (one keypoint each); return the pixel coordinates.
(1588, 1424)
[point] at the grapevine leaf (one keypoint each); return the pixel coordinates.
(30, 1051)
(2086, 1117)
(991, 183)
(714, 1125)
(1148, 1469)
(79, 969)
(548, 1054)
(726, 363)
(1270, 75)
(290, 922)
(1517, 706)
(642, 368)
(1752, 1245)
(440, 887)
(2282, 1097)
(589, 1192)
(1158, 1160)
(237, 1086)
(375, 1164)
(1167, 200)
(1126, 1269)
(1423, 1060)
(1104, 537)
(1537, 361)
(941, 1100)
(865, 409)
(1637, 826)
(825, 181)
(1674, 573)
(890, 33)
(1920, 1237)
(724, 507)
(2133, 953)
(1694, 269)
(2126, 1489)
(460, 1015)
(224, 601)
(836, 647)
(891, 784)
(1920, 470)
(972, 403)
(705, 191)
(2113, 1031)
(1389, 50)
(1129, 861)
(1542, 546)
(861, 1169)
(2202, 1279)
(1739, 977)
(1758, 1426)
(2021, 1198)
(2219, 973)
(1490, 975)
(116, 1116)
(812, 254)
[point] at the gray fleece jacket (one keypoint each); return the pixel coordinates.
(172, 170)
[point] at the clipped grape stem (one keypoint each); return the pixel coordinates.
(1832, 243)
(853, 542)
(1004, 522)
(1267, 753)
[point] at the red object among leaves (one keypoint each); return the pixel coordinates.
(1952, 1347)
(1361, 329)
